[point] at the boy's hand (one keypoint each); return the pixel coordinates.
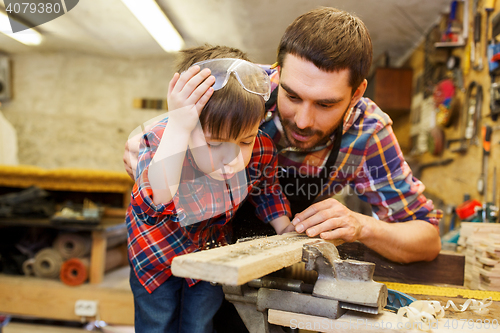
(187, 95)
(282, 225)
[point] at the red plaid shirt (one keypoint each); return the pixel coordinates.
(158, 233)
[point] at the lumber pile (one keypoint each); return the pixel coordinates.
(481, 244)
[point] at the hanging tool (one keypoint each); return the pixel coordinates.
(489, 209)
(476, 33)
(471, 115)
(488, 7)
(483, 178)
(493, 57)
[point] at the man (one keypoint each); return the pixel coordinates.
(330, 138)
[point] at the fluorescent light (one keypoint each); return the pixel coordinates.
(156, 23)
(28, 37)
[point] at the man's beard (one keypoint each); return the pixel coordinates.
(289, 126)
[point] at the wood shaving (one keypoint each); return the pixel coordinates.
(478, 307)
(423, 314)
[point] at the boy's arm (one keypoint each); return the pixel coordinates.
(282, 225)
(187, 95)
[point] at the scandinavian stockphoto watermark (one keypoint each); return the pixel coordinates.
(458, 325)
(26, 14)
(256, 180)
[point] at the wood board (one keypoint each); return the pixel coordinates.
(51, 299)
(384, 322)
(242, 262)
(447, 268)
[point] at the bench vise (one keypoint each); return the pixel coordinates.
(341, 285)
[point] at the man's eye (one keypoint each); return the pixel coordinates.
(294, 98)
(247, 143)
(325, 106)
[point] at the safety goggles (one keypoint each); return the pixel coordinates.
(252, 78)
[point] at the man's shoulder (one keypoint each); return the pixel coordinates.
(369, 115)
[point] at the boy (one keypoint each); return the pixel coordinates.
(195, 169)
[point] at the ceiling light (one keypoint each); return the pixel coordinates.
(156, 23)
(28, 36)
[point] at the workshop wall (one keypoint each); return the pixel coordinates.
(74, 110)
(452, 181)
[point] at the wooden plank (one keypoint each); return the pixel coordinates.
(51, 299)
(81, 180)
(97, 257)
(385, 322)
(447, 268)
(242, 262)
(30, 328)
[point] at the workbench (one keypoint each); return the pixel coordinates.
(241, 267)
(387, 321)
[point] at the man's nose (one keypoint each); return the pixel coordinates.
(304, 117)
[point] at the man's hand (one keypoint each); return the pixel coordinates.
(329, 219)
(402, 242)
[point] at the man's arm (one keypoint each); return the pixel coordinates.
(403, 242)
(407, 229)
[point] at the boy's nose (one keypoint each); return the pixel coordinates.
(231, 154)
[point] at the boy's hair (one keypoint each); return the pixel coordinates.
(332, 40)
(231, 110)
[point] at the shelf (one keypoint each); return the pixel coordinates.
(51, 299)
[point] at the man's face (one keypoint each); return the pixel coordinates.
(312, 102)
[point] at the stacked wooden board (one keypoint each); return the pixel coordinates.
(481, 244)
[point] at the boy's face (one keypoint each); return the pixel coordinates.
(222, 159)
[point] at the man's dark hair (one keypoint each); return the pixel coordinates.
(332, 40)
(231, 110)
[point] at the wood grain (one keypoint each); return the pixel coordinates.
(44, 298)
(351, 321)
(445, 269)
(242, 262)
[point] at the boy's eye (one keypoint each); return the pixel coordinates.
(247, 143)
(214, 144)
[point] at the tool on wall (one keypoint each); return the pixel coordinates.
(482, 182)
(475, 52)
(493, 62)
(471, 115)
(489, 6)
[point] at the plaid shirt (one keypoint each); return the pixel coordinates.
(370, 161)
(198, 216)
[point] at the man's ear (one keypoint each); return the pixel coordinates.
(358, 93)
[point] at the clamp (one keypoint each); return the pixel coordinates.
(341, 285)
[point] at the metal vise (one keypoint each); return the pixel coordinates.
(342, 285)
(348, 281)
